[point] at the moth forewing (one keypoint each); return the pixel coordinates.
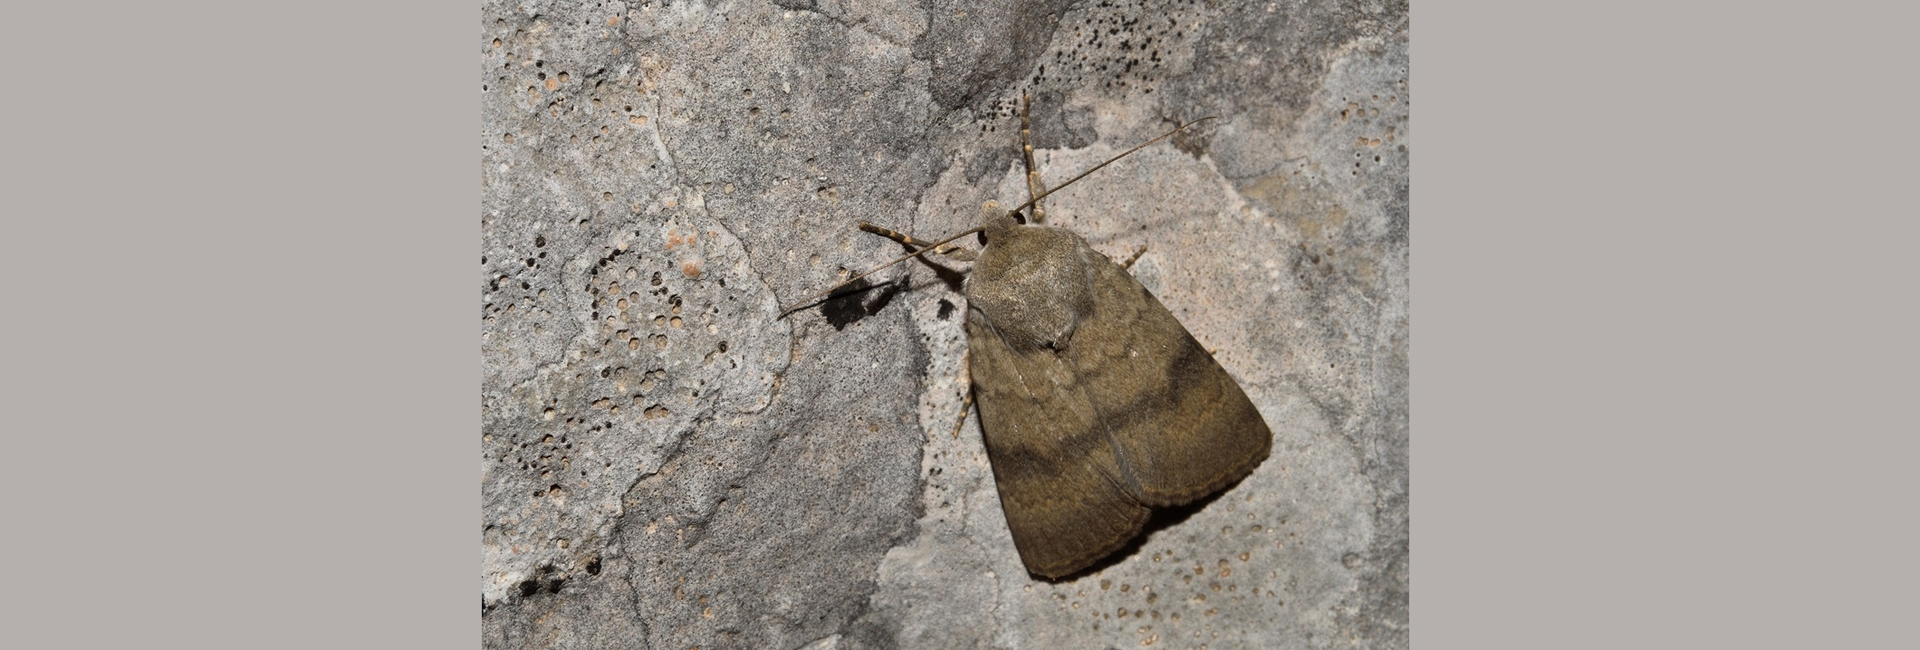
(1094, 401)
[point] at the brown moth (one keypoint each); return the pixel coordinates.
(1096, 404)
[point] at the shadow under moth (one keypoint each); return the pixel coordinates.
(1096, 404)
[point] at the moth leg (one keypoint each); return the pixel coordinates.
(966, 405)
(1136, 257)
(948, 250)
(1034, 186)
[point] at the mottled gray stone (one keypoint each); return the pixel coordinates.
(664, 464)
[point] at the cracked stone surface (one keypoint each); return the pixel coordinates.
(666, 464)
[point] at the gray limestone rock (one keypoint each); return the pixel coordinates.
(665, 464)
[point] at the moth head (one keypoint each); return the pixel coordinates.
(996, 223)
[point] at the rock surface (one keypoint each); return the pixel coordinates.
(665, 464)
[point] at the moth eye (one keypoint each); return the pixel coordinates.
(981, 236)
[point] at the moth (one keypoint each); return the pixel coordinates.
(1096, 404)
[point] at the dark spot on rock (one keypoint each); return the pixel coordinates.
(854, 302)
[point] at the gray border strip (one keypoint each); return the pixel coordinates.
(1663, 324)
(245, 359)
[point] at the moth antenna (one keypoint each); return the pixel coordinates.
(1035, 200)
(1015, 211)
(923, 250)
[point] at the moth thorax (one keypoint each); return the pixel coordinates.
(1031, 284)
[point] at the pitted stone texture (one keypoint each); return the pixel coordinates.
(676, 331)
